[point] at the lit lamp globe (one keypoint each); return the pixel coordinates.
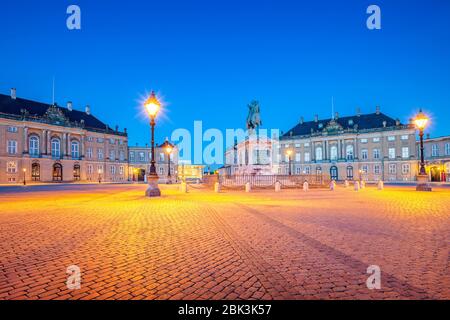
(152, 105)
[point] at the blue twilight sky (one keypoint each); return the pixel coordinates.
(208, 59)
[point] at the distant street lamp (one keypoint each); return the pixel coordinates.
(360, 174)
(289, 154)
(168, 148)
(24, 179)
(152, 105)
(421, 122)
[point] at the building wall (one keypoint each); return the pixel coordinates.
(91, 166)
(437, 158)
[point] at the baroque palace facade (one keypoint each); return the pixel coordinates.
(42, 142)
(364, 146)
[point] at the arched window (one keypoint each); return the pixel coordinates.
(349, 152)
(57, 172)
(333, 153)
(56, 148)
(34, 146)
(74, 148)
(76, 172)
(319, 154)
(35, 172)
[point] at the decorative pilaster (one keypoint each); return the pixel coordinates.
(25, 140)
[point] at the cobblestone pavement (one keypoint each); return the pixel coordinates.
(233, 245)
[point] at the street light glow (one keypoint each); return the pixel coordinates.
(152, 105)
(421, 120)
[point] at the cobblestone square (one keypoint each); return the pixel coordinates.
(232, 245)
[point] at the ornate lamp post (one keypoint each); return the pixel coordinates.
(152, 105)
(289, 154)
(421, 122)
(24, 178)
(168, 148)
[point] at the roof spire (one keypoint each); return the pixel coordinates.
(332, 107)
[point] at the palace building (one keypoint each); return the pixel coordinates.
(437, 158)
(47, 142)
(371, 147)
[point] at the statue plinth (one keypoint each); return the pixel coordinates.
(152, 190)
(423, 183)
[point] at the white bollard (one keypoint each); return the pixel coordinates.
(248, 187)
(332, 185)
(305, 186)
(277, 186)
(217, 187)
(380, 185)
(183, 187)
(357, 186)
(346, 183)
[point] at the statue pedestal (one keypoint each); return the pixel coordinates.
(422, 183)
(152, 190)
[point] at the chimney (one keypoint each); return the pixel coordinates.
(358, 111)
(384, 124)
(302, 120)
(378, 110)
(13, 93)
(88, 109)
(69, 105)
(124, 130)
(117, 128)
(316, 118)
(397, 122)
(336, 115)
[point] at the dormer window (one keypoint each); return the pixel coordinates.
(320, 125)
(350, 122)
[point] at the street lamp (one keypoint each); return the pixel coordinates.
(152, 105)
(421, 122)
(24, 179)
(289, 154)
(168, 148)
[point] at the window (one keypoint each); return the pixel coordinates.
(319, 154)
(11, 167)
(121, 170)
(391, 138)
(12, 129)
(364, 154)
(100, 169)
(350, 122)
(121, 155)
(318, 171)
(306, 144)
(307, 157)
(142, 156)
(131, 155)
(392, 168)
(333, 153)
(363, 140)
(365, 169)
(405, 137)
(447, 149)
(89, 153)
(56, 148)
(298, 157)
(100, 140)
(376, 139)
(297, 170)
(405, 152)
(161, 170)
(12, 147)
(100, 154)
(161, 157)
(75, 149)
(34, 146)
(376, 153)
(391, 153)
(120, 142)
(350, 172)
(307, 170)
(286, 158)
(112, 169)
(406, 168)
(349, 152)
(112, 141)
(297, 145)
(112, 155)
(90, 139)
(377, 169)
(90, 169)
(434, 150)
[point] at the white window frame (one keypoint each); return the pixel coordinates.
(11, 166)
(33, 145)
(11, 147)
(392, 153)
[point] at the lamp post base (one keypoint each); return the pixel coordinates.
(152, 190)
(422, 183)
